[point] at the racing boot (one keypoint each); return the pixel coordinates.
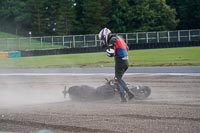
(123, 99)
(125, 87)
(130, 95)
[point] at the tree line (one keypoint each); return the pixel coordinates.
(65, 17)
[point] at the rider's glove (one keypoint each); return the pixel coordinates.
(110, 52)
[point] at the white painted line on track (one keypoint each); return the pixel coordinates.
(92, 74)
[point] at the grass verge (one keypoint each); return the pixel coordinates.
(187, 56)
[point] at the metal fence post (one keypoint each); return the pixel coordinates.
(63, 40)
(158, 37)
(126, 38)
(29, 42)
(179, 36)
(52, 41)
(7, 44)
(74, 41)
(95, 40)
(137, 37)
(41, 42)
(168, 36)
(84, 41)
(189, 35)
(18, 43)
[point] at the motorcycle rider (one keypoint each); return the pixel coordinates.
(117, 48)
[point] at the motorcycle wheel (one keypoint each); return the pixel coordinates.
(141, 92)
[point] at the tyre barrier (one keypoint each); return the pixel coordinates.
(3, 54)
(60, 51)
(14, 54)
(163, 45)
(10, 54)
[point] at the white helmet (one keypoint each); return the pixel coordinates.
(103, 36)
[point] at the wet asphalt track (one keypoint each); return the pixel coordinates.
(173, 107)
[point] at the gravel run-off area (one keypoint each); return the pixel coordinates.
(35, 102)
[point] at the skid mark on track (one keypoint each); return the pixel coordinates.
(159, 118)
(55, 127)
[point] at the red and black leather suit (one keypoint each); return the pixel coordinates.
(121, 61)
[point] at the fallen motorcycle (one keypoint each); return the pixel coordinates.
(106, 91)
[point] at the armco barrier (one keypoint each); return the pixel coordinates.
(60, 51)
(163, 45)
(14, 54)
(99, 49)
(3, 54)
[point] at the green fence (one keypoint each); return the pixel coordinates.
(82, 41)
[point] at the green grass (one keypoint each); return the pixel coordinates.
(187, 56)
(11, 42)
(167, 57)
(7, 35)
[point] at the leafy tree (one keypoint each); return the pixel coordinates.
(78, 17)
(51, 17)
(66, 18)
(63, 17)
(141, 15)
(150, 15)
(37, 17)
(90, 15)
(117, 15)
(14, 15)
(188, 12)
(93, 16)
